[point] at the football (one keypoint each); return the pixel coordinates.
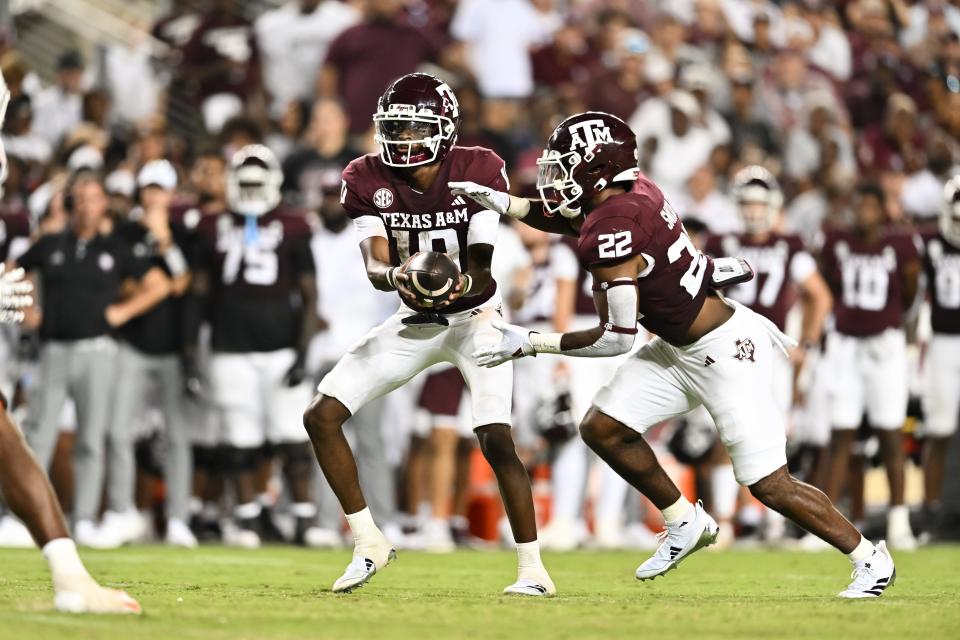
(433, 276)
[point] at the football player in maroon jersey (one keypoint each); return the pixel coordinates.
(254, 270)
(707, 351)
(873, 270)
(24, 486)
(941, 398)
(401, 205)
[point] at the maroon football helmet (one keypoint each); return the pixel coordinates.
(417, 120)
(585, 154)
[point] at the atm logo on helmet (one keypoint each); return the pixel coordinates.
(589, 133)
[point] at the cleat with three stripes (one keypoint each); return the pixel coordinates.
(872, 576)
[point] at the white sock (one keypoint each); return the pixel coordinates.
(863, 551)
(898, 517)
(677, 510)
(303, 509)
(247, 510)
(363, 528)
(528, 556)
(64, 562)
(725, 492)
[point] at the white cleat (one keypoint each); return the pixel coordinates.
(87, 534)
(872, 576)
(537, 586)
(125, 526)
(92, 598)
(695, 531)
(366, 562)
(563, 534)
(437, 537)
(320, 538)
(180, 535)
(14, 534)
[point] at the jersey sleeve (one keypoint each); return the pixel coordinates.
(492, 171)
(351, 194)
(802, 266)
(609, 240)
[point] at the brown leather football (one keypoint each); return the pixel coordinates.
(433, 276)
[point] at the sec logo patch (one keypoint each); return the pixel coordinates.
(383, 197)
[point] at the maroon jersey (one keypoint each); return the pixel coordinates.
(674, 285)
(435, 220)
(866, 280)
(776, 261)
(254, 266)
(15, 228)
(941, 264)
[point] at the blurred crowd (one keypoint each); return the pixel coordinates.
(827, 96)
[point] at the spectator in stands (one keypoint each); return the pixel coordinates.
(19, 138)
(365, 58)
(221, 62)
(293, 40)
(499, 36)
(311, 174)
(751, 134)
(895, 145)
(59, 107)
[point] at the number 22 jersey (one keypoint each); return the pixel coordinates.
(674, 285)
(435, 220)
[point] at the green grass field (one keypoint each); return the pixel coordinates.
(217, 593)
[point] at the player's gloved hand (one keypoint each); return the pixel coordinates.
(486, 197)
(14, 294)
(514, 344)
(455, 294)
(296, 374)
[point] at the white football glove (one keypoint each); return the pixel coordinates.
(486, 197)
(14, 294)
(514, 344)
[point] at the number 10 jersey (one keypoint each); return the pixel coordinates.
(435, 220)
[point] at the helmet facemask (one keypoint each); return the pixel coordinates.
(555, 182)
(408, 138)
(950, 212)
(253, 187)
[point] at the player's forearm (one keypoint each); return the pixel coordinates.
(815, 312)
(476, 282)
(602, 341)
(308, 316)
(537, 218)
(155, 287)
(382, 275)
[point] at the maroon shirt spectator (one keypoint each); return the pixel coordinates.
(222, 54)
(566, 60)
(365, 58)
(896, 145)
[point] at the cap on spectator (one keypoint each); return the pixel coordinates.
(657, 69)
(634, 42)
(685, 103)
(120, 183)
(158, 173)
(85, 157)
(70, 60)
(696, 77)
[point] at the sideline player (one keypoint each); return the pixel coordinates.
(941, 398)
(25, 487)
(254, 265)
(707, 351)
(874, 272)
(401, 205)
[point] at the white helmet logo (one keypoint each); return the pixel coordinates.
(588, 134)
(383, 198)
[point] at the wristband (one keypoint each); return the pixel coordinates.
(545, 342)
(518, 208)
(392, 276)
(175, 261)
(467, 284)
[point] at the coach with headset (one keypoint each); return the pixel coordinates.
(90, 283)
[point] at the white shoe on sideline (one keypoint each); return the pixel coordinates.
(14, 534)
(87, 534)
(872, 576)
(367, 561)
(562, 534)
(437, 537)
(692, 532)
(320, 538)
(812, 544)
(637, 535)
(180, 535)
(234, 536)
(126, 526)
